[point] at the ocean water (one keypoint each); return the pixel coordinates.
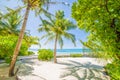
(67, 51)
(73, 51)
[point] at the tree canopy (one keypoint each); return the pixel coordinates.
(102, 20)
(57, 26)
(10, 24)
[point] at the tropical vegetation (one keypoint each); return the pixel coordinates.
(38, 7)
(57, 28)
(113, 70)
(45, 54)
(7, 44)
(101, 19)
(76, 55)
(9, 31)
(10, 24)
(30, 5)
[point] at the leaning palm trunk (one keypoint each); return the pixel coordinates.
(17, 48)
(55, 60)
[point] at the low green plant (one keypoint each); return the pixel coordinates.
(76, 55)
(45, 54)
(7, 59)
(30, 53)
(113, 70)
(7, 45)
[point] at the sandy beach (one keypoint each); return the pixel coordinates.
(66, 69)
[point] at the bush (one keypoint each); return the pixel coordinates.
(24, 49)
(45, 55)
(7, 45)
(76, 55)
(7, 59)
(113, 70)
(30, 53)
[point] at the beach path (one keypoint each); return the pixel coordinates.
(66, 69)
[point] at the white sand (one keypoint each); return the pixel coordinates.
(65, 69)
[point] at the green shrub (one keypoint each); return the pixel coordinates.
(113, 70)
(45, 55)
(24, 49)
(7, 46)
(30, 53)
(76, 55)
(7, 59)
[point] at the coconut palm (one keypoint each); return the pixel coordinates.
(57, 28)
(37, 6)
(10, 24)
(30, 5)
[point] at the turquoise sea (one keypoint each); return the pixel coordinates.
(67, 51)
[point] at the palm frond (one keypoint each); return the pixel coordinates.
(46, 22)
(11, 23)
(12, 11)
(45, 36)
(60, 40)
(46, 2)
(41, 29)
(50, 38)
(71, 37)
(44, 29)
(50, 18)
(42, 11)
(71, 25)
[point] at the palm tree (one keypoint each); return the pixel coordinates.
(57, 28)
(30, 5)
(37, 6)
(10, 24)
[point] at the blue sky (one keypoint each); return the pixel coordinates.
(33, 22)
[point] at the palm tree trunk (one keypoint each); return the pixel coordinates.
(55, 60)
(18, 45)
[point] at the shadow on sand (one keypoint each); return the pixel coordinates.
(4, 70)
(26, 69)
(85, 71)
